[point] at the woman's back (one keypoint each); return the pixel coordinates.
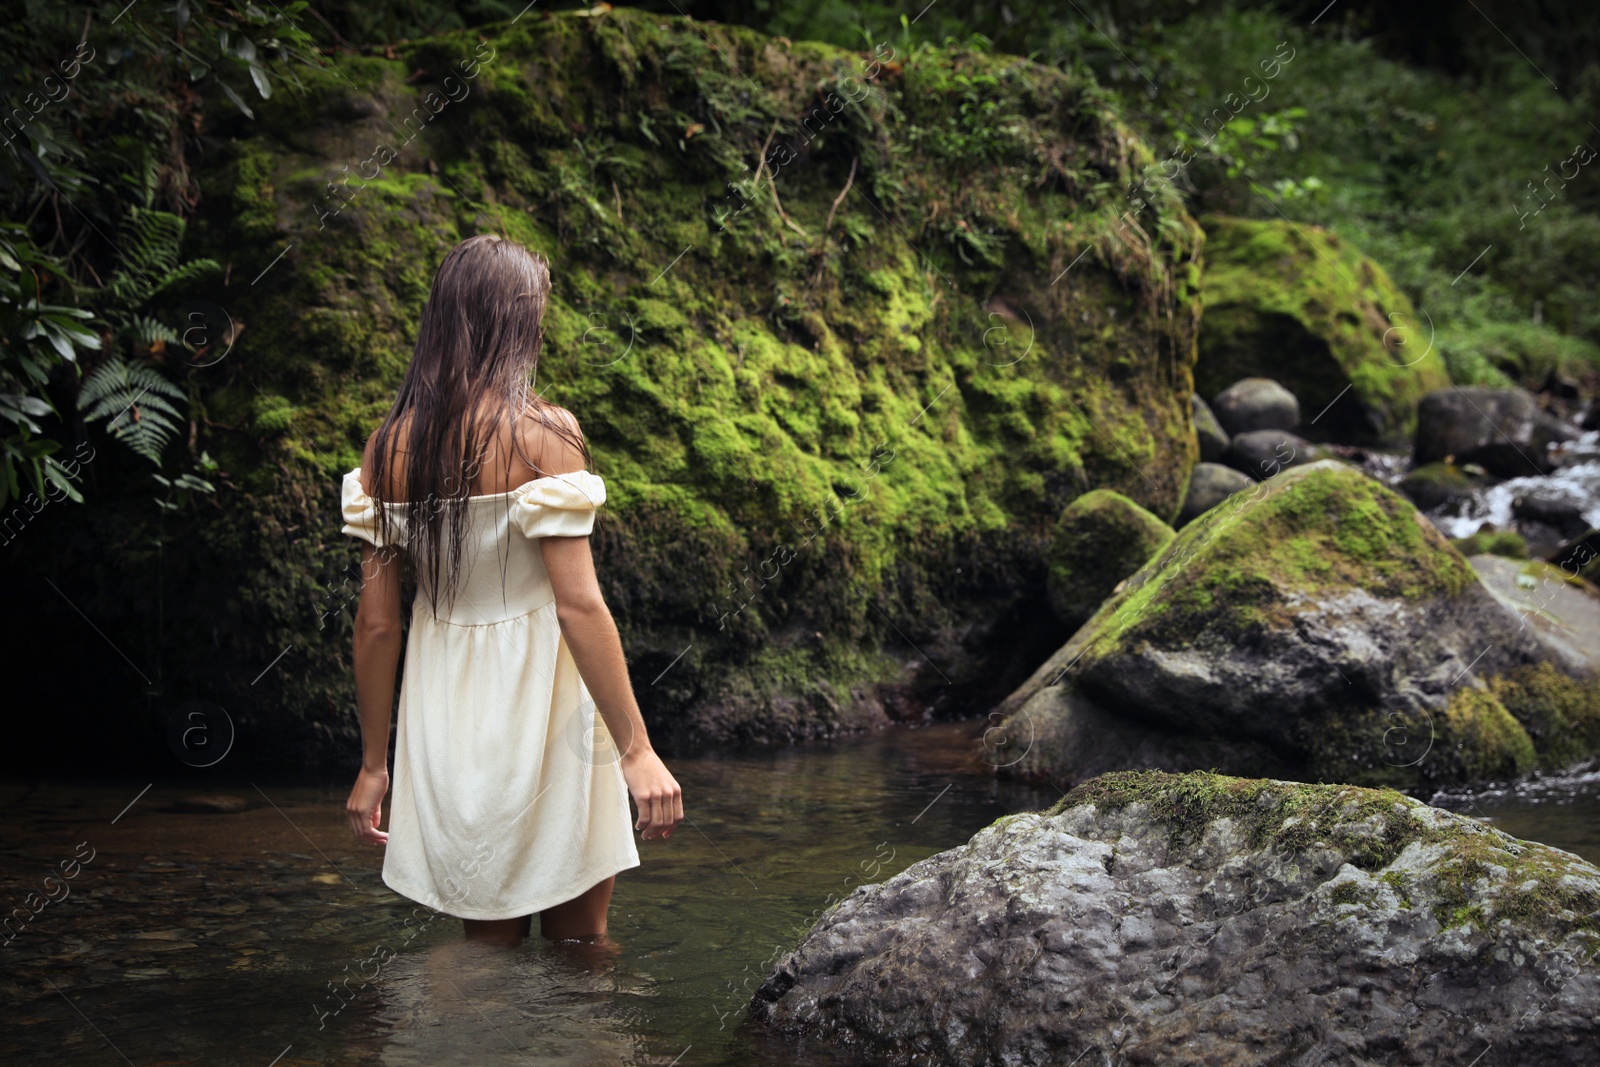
(502, 573)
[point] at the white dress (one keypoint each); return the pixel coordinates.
(508, 794)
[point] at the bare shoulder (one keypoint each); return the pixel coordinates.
(552, 436)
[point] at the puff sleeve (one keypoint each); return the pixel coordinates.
(360, 511)
(560, 505)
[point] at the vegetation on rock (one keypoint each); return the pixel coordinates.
(1303, 307)
(1100, 539)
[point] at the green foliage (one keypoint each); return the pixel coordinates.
(91, 157)
(137, 403)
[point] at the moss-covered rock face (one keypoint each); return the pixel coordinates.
(1199, 919)
(1318, 615)
(1299, 305)
(1099, 540)
(846, 332)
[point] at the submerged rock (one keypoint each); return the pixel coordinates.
(1210, 485)
(1100, 539)
(1197, 919)
(1256, 404)
(1299, 305)
(1213, 438)
(1503, 430)
(1318, 615)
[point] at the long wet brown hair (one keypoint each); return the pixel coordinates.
(478, 347)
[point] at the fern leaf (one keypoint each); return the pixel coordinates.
(138, 404)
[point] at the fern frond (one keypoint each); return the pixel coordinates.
(195, 268)
(138, 404)
(147, 331)
(149, 242)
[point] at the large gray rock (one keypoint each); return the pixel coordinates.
(1564, 614)
(1213, 438)
(1318, 615)
(1263, 453)
(1196, 919)
(1256, 404)
(1502, 430)
(1210, 485)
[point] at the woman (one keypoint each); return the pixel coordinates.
(509, 798)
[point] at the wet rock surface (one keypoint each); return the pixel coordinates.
(1196, 919)
(1263, 453)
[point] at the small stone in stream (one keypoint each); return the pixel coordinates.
(1553, 505)
(1210, 485)
(1256, 404)
(216, 805)
(1213, 438)
(1437, 485)
(1502, 429)
(1263, 453)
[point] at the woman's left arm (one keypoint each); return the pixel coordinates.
(376, 655)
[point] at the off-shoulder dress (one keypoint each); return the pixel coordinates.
(508, 796)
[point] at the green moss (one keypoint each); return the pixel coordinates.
(1397, 881)
(1474, 874)
(1312, 530)
(1346, 893)
(1472, 739)
(1482, 739)
(892, 399)
(1100, 539)
(1506, 543)
(1297, 304)
(1560, 713)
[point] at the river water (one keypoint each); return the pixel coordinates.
(266, 938)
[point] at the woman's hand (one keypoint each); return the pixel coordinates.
(365, 806)
(655, 791)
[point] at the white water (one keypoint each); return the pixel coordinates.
(1577, 479)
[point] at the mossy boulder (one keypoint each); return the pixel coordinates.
(811, 307)
(1100, 539)
(1302, 306)
(1317, 615)
(1198, 919)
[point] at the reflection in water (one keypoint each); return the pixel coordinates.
(225, 939)
(235, 939)
(467, 1002)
